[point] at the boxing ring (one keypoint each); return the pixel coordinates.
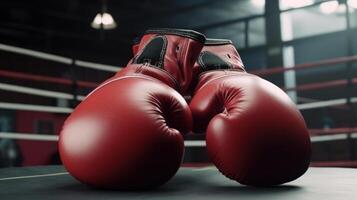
(194, 180)
(53, 182)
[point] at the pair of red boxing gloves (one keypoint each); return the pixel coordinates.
(127, 133)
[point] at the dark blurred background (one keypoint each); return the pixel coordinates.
(267, 34)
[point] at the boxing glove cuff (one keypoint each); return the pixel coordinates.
(172, 50)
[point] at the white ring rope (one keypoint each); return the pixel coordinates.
(36, 54)
(28, 136)
(56, 58)
(38, 92)
(327, 103)
(37, 108)
(188, 143)
(92, 65)
(195, 143)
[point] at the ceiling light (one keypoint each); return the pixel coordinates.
(103, 21)
(329, 7)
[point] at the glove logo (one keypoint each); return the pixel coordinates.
(153, 53)
(209, 61)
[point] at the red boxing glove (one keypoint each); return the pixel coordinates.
(254, 132)
(126, 134)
